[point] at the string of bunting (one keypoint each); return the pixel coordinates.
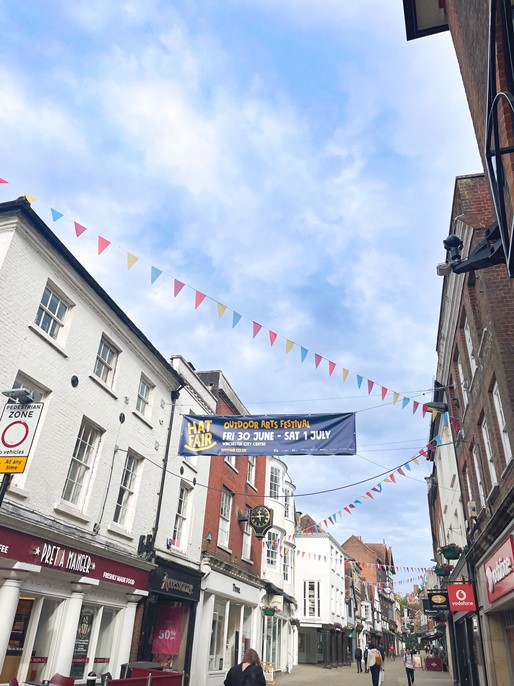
(103, 243)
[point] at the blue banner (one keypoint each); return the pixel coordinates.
(309, 434)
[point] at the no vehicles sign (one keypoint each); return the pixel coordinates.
(18, 425)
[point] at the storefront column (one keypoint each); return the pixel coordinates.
(125, 631)
(68, 634)
(333, 649)
(9, 596)
(326, 649)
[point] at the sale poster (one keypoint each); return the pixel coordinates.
(167, 630)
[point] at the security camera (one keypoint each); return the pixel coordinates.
(443, 268)
(453, 245)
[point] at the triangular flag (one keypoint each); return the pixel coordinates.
(438, 440)
(384, 392)
(351, 505)
(177, 287)
(3, 181)
(256, 328)
(395, 397)
(387, 481)
(405, 402)
(393, 478)
(79, 229)
(415, 459)
(423, 411)
(272, 337)
(317, 359)
(102, 244)
(377, 488)
(131, 260)
(400, 471)
(357, 502)
(359, 380)
(155, 274)
(415, 406)
(331, 367)
(289, 345)
(455, 424)
(434, 415)
(370, 386)
(221, 310)
(407, 465)
(331, 520)
(199, 298)
(30, 198)
(369, 495)
(345, 374)
(422, 452)
(347, 510)
(56, 215)
(236, 318)
(303, 352)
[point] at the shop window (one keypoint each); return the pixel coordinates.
(169, 638)
(217, 637)
(17, 639)
(82, 460)
(93, 642)
(49, 616)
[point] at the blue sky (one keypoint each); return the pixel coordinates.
(294, 161)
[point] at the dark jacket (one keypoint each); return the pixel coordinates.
(251, 676)
(358, 653)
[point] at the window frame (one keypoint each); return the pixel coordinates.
(469, 346)
(180, 524)
(462, 381)
(45, 311)
(478, 475)
(275, 487)
(225, 516)
(142, 401)
(250, 470)
(272, 552)
(111, 365)
(246, 546)
(84, 467)
(486, 438)
(127, 493)
(287, 564)
(502, 424)
(316, 598)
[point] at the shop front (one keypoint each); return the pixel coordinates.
(169, 618)
(495, 582)
(64, 609)
(277, 631)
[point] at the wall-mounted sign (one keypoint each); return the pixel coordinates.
(18, 425)
(311, 434)
(438, 600)
(462, 598)
(499, 571)
(260, 518)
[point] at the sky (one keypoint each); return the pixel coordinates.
(294, 161)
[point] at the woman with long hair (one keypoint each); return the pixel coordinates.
(246, 673)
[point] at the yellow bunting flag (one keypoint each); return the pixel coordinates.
(289, 345)
(395, 397)
(131, 260)
(345, 374)
(415, 460)
(434, 414)
(30, 198)
(221, 310)
(388, 480)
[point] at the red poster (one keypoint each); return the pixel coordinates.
(461, 597)
(167, 630)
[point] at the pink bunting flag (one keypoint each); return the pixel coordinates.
(347, 510)
(272, 337)
(3, 181)
(455, 424)
(102, 244)
(400, 471)
(331, 367)
(424, 411)
(256, 328)
(384, 392)
(370, 386)
(351, 505)
(369, 495)
(79, 229)
(415, 406)
(199, 298)
(422, 452)
(317, 359)
(177, 287)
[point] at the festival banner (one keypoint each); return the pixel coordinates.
(310, 434)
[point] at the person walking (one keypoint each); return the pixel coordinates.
(366, 649)
(409, 666)
(374, 663)
(358, 659)
(246, 673)
(392, 652)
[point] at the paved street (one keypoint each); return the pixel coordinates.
(347, 676)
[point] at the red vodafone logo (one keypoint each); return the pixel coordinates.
(461, 597)
(14, 434)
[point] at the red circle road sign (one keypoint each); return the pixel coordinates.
(15, 434)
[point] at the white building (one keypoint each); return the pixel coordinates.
(320, 590)
(84, 528)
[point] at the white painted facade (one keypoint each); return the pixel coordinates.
(94, 473)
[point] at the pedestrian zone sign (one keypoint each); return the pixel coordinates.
(18, 425)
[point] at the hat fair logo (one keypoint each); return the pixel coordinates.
(199, 436)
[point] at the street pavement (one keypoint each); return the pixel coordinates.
(394, 675)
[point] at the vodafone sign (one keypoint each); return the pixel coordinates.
(499, 571)
(462, 598)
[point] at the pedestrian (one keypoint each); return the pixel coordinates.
(392, 652)
(248, 672)
(358, 659)
(380, 648)
(375, 664)
(409, 666)
(366, 658)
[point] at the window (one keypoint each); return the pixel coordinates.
(275, 481)
(250, 472)
(272, 550)
(125, 503)
(246, 552)
(489, 453)
(469, 347)
(468, 483)
(224, 526)
(288, 510)
(231, 460)
(143, 396)
(287, 568)
(478, 474)
(501, 423)
(51, 313)
(311, 599)
(106, 358)
(462, 381)
(24, 382)
(179, 529)
(84, 453)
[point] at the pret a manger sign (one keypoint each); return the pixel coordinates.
(18, 425)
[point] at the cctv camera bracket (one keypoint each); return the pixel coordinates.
(488, 253)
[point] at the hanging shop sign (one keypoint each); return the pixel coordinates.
(499, 571)
(311, 434)
(462, 598)
(438, 600)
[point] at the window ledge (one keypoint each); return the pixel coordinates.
(224, 547)
(252, 486)
(71, 511)
(103, 385)
(493, 492)
(118, 530)
(17, 492)
(48, 339)
(191, 466)
(505, 470)
(234, 469)
(246, 560)
(142, 418)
